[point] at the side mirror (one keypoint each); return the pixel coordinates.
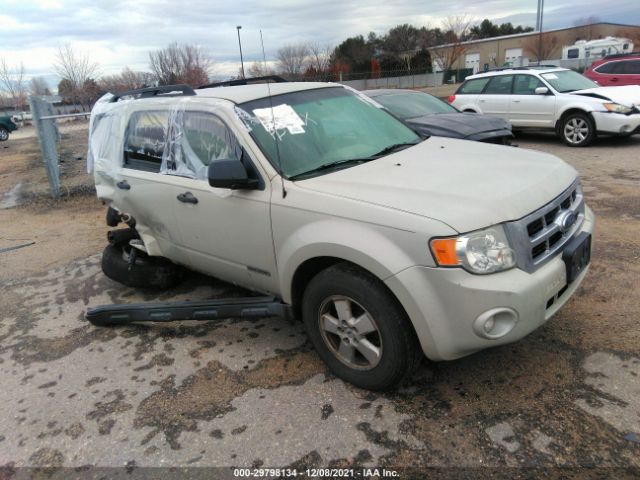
(541, 90)
(231, 174)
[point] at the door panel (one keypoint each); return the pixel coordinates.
(495, 99)
(528, 109)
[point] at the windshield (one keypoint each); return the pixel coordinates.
(411, 105)
(320, 127)
(566, 81)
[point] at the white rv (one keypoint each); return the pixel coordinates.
(595, 49)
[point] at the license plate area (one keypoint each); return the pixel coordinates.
(577, 255)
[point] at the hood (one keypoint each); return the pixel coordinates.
(457, 125)
(628, 95)
(463, 184)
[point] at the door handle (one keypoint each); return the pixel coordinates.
(123, 185)
(614, 79)
(516, 101)
(187, 197)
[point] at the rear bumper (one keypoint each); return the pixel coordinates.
(446, 305)
(616, 123)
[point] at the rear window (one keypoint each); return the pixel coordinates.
(473, 86)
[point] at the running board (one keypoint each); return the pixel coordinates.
(248, 307)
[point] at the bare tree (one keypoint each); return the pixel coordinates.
(402, 42)
(259, 69)
(78, 72)
(319, 56)
(126, 80)
(13, 82)
(38, 86)
(455, 28)
(189, 64)
(74, 66)
(292, 58)
(542, 46)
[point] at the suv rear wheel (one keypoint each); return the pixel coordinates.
(359, 329)
(577, 130)
(4, 134)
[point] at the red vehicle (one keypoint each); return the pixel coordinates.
(623, 69)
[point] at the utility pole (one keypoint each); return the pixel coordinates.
(240, 45)
(539, 26)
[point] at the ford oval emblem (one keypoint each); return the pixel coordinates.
(566, 220)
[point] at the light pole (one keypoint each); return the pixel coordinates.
(240, 45)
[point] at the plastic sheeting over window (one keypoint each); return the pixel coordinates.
(193, 141)
(173, 141)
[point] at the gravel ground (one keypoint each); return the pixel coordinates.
(238, 393)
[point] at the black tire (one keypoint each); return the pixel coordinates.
(400, 351)
(146, 272)
(577, 129)
(4, 134)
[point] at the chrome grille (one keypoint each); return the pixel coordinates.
(539, 236)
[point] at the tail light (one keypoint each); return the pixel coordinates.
(451, 98)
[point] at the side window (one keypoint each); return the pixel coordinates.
(145, 140)
(195, 140)
(526, 85)
(631, 67)
(474, 86)
(605, 68)
(500, 85)
(573, 53)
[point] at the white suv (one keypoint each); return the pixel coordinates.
(384, 243)
(552, 98)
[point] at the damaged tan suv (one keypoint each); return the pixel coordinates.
(386, 244)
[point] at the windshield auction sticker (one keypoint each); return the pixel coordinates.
(280, 118)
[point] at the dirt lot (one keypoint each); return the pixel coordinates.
(240, 393)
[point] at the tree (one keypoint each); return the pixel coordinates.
(126, 80)
(542, 46)
(13, 82)
(488, 29)
(175, 64)
(78, 71)
(455, 28)
(354, 54)
(38, 86)
(259, 69)
(319, 56)
(292, 59)
(402, 43)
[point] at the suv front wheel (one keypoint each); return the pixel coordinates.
(577, 130)
(4, 134)
(359, 329)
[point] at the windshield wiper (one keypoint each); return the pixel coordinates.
(396, 147)
(329, 166)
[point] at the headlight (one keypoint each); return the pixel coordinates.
(617, 108)
(482, 251)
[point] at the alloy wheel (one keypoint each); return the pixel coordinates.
(350, 332)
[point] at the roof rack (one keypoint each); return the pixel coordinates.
(530, 67)
(164, 90)
(617, 55)
(247, 81)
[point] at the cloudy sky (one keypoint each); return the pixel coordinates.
(121, 32)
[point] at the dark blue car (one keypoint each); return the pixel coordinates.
(431, 116)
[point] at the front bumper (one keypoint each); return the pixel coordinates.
(501, 136)
(444, 304)
(616, 123)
